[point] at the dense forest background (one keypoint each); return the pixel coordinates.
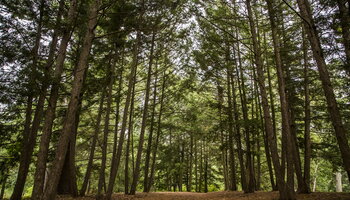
(106, 96)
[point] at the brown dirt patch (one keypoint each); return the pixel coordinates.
(220, 196)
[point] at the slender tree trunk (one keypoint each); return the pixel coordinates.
(332, 104)
(222, 137)
(102, 176)
(130, 133)
(196, 165)
(155, 148)
(182, 156)
(52, 102)
(273, 115)
(206, 170)
(131, 82)
(266, 110)
(233, 186)
(238, 130)
(93, 146)
(82, 67)
(315, 178)
(150, 137)
(29, 137)
(118, 99)
(284, 102)
(190, 165)
(143, 123)
(242, 94)
(307, 120)
(201, 168)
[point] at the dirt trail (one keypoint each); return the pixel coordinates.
(220, 196)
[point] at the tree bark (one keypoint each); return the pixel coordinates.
(284, 102)
(131, 82)
(150, 136)
(130, 134)
(39, 177)
(101, 179)
(222, 136)
(307, 118)
(154, 153)
(143, 123)
(332, 104)
(93, 146)
(266, 110)
(82, 67)
(29, 136)
(232, 186)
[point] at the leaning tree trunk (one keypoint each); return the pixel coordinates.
(93, 146)
(332, 104)
(101, 179)
(150, 137)
(131, 82)
(155, 148)
(283, 100)
(236, 116)
(28, 141)
(144, 122)
(50, 191)
(284, 194)
(130, 134)
(52, 102)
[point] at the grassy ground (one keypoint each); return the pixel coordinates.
(220, 196)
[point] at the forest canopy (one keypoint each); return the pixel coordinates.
(100, 97)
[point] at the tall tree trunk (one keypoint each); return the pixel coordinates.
(101, 179)
(150, 136)
(292, 98)
(28, 135)
(155, 148)
(222, 136)
(238, 128)
(52, 102)
(190, 165)
(307, 120)
(286, 131)
(130, 135)
(143, 123)
(93, 146)
(131, 82)
(242, 94)
(206, 169)
(82, 67)
(196, 165)
(232, 170)
(332, 104)
(273, 115)
(284, 194)
(118, 100)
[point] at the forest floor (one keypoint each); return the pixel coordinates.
(220, 196)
